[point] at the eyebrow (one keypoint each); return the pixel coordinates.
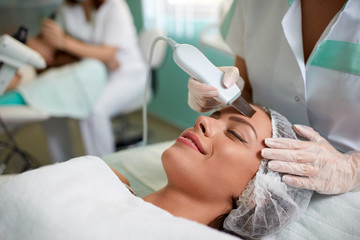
(241, 120)
(236, 119)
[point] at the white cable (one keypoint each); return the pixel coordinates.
(173, 45)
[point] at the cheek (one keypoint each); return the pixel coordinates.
(236, 168)
(186, 173)
(236, 156)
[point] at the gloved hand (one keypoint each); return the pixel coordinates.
(201, 96)
(313, 164)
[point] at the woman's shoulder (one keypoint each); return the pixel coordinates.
(117, 4)
(114, 9)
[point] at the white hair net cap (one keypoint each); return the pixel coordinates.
(267, 204)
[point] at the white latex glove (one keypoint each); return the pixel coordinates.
(201, 96)
(313, 164)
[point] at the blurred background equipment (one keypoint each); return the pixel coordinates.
(126, 134)
(27, 13)
(13, 55)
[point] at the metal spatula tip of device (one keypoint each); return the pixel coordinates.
(243, 107)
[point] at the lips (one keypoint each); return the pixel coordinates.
(190, 139)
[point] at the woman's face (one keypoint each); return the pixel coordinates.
(219, 155)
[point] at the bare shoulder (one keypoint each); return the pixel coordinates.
(121, 177)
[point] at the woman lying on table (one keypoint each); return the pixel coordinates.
(216, 176)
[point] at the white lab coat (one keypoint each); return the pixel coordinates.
(112, 25)
(324, 93)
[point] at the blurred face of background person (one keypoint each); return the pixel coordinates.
(95, 3)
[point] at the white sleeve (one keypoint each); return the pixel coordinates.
(119, 29)
(233, 27)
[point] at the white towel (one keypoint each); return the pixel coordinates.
(67, 91)
(83, 199)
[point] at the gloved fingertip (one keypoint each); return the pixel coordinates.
(265, 153)
(268, 141)
(298, 127)
(273, 166)
(302, 129)
(289, 180)
(228, 82)
(273, 143)
(270, 165)
(307, 132)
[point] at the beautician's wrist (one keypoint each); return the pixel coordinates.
(355, 158)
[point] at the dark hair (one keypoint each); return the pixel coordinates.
(97, 3)
(218, 222)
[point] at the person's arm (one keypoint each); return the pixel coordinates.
(106, 54)
(313, 164)
(55, 36)
(46, 50)
(15, 81)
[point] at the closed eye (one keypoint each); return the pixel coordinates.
(235, 134)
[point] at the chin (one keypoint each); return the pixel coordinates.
(176, 163)
(169, 155)
(179, 152)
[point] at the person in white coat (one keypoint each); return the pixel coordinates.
(301, 58)
(104, 30)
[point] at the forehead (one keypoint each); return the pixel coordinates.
(260, 113)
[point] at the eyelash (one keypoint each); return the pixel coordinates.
(236, 135)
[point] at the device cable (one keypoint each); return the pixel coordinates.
(173, 44)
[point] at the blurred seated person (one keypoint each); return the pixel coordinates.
(101, 30)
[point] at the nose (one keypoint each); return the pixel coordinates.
(207, 125)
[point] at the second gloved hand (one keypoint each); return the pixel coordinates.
(313, 164)
(201, 96)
